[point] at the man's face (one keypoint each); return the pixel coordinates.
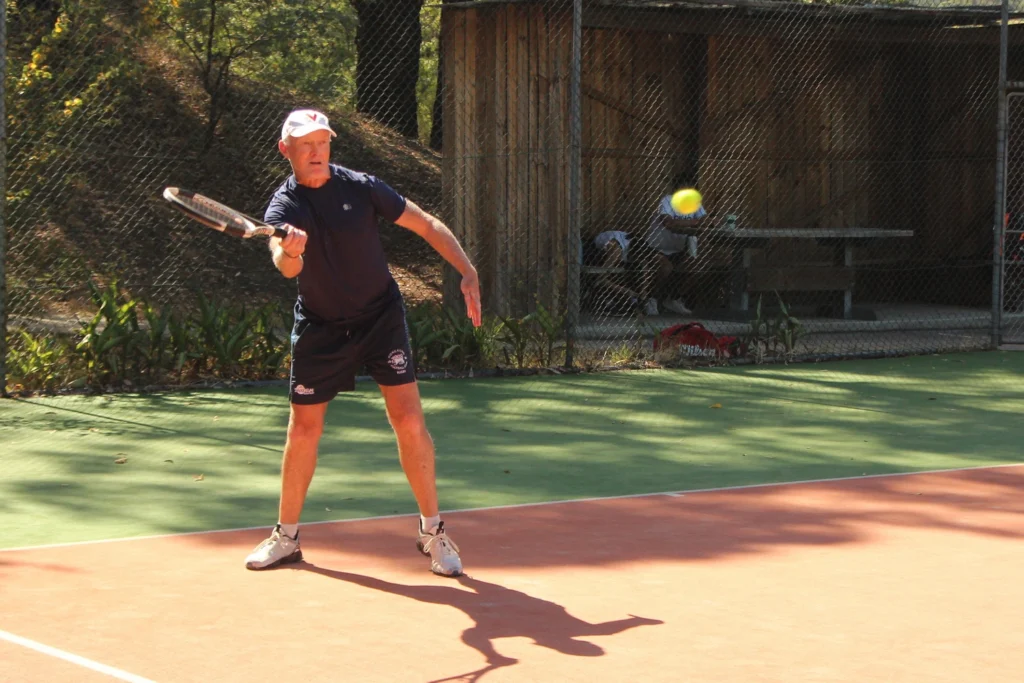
(309, 157)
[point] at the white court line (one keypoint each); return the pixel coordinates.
(513, 506)
(74, 659)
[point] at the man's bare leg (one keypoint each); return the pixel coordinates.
(415, 447)
(416, 453)
(305, 425)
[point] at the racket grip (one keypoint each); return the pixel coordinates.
(280, 232)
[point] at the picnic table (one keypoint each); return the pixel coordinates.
(838, 276)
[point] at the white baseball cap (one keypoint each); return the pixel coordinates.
(303, 122)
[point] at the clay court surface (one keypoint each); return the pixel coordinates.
(895, 578)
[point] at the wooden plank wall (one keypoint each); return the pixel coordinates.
(840, 133)
(958, 125)
(641, 107)
(790, 139)
(783, 132)
(506, 111)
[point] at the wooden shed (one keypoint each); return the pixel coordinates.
(788, 115)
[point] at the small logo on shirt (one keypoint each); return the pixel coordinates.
(347, 207)
(303, 391)
(398, 361)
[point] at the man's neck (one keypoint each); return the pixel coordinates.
(312, 182)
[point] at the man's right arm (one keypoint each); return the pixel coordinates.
(287, 251)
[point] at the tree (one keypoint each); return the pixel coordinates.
(437, 120)
(387, 68)
(219, 33)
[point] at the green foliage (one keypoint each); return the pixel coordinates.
(426, 86)
(72, 77)
(443, 338)
(307, 48)
(549, 331)
(112, 342)
(316, 57)
(516, 335)
(225, 38)
(776, 336)
(235, 341)
(627, 353)
(42, 362)
(533, 338)
(129, 342)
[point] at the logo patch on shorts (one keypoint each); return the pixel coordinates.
(303, 391)
(398, 361)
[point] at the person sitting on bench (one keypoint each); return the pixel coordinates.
(631, 289)
(672, 248)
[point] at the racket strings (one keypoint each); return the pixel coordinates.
(211, 209)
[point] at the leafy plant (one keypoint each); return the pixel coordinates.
(549, 334)
(773, 336)
(269, 352)
(626, 353)
(44, 362)
(111, 340)
(184, 344)
(228, 335)
(443, 337)
(157, 356)
(516, 336)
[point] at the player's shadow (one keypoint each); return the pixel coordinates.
(500, 612)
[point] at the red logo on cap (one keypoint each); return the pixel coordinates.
(312, 117)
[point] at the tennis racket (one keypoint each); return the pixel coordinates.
(218, 216)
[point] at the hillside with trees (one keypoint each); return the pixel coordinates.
(108, 101)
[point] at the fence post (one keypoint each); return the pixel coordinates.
(575, 136)
(999, 224)
(3, 200)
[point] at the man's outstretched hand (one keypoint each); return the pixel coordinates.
(471, 293)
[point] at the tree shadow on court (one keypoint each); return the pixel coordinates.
(693, 527)
(12, 567)
(211, 460)
(499, 612)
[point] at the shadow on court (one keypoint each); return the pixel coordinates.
(193, 461)
(499, 612)
(823, 577)
(693, 527)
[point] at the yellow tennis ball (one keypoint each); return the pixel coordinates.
(686, 201)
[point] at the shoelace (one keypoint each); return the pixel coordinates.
(440, 538)
(276, 536)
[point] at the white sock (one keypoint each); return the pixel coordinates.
(428, 524)
(289, 530)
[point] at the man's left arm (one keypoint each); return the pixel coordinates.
(447, 245)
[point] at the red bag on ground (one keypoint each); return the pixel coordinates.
(693, 339)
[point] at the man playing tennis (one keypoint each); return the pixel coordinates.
(350, 314)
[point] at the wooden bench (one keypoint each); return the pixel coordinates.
(745, 278)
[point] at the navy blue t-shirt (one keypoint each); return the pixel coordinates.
(345, 271)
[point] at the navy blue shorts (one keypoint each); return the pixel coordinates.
(326, 357)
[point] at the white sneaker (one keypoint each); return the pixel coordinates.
(651, 307)
(278, 549)
(444, 554)
(676, 306)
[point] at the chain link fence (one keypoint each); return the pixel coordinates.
(850, 158)
(846, 154)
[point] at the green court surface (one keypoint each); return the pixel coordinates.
(204, 460)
